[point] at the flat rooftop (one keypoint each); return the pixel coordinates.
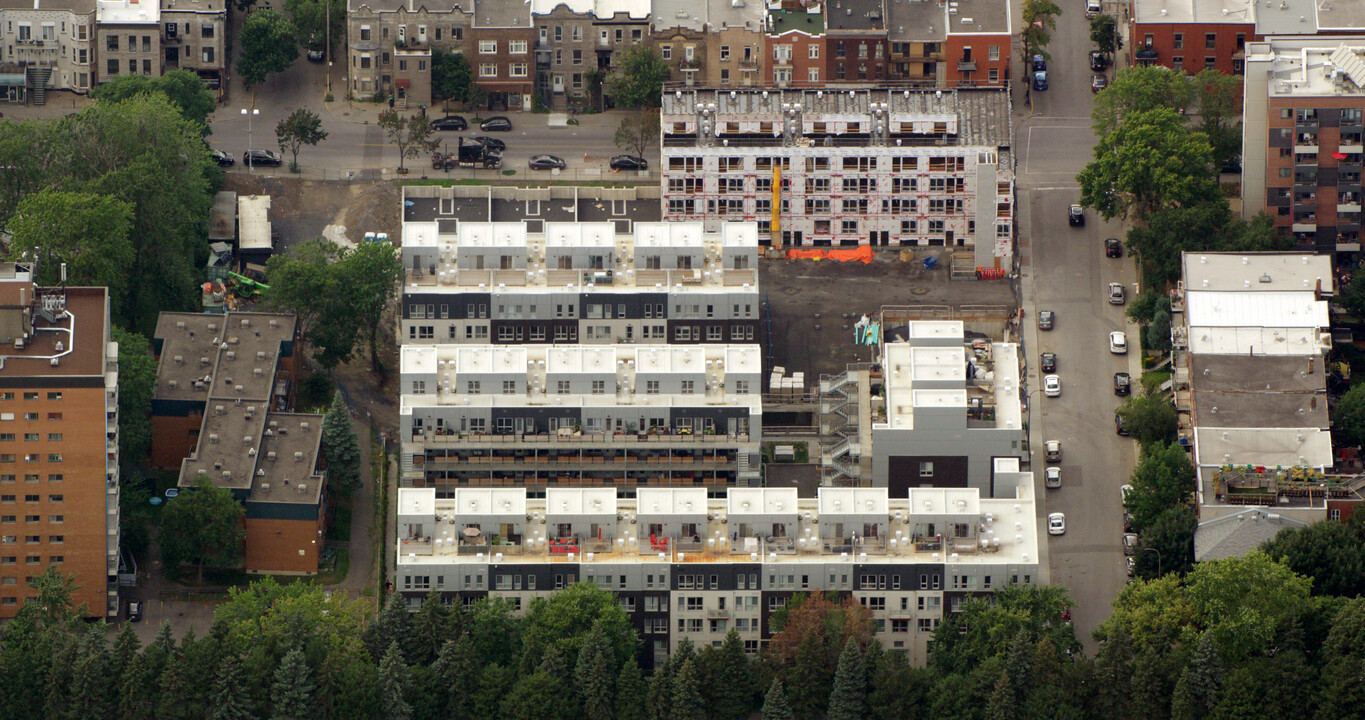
(599, 9)
(228, 357)
(974, 376)
(1194, 11)
(501, 14)
(1321, 66)
(714, 15)
(919, 21)
(71, 344)
(855, 15)
(1261, 409)
(127, 12)
(1258, 374)
(269, 457)
(431, 6)
(1268, 447)
(810, 21)
(1256, 272)
(75, 6)
(537, 212)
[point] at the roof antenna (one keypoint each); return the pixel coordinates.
(63, 273)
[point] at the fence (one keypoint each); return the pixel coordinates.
(420, 169)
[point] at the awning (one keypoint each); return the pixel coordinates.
(12, 80)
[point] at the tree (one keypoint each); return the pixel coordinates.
(1219, 591)
(291, 694)
(310, 21)
(93, 679)
(306, 282)
(1330, 552)
(638, 80)
(451, 76)
(1171, 536)
(1150, 162)
(411, 135)
(638, 131)
(1219, 98)
(182, 87)
(393, 678)
(393, 622)
(687, 703)
(1348, 416)
(174, 697)
(88, 235)
(268, 45)
(561, 623)
(732, 683)
(302, 127)
(593, 676)
(1104, 32)
(229, 697)
(1197, 692)
(340, 446)
(1163, 478)
(1168, 232)
(1149, 419)
(1040, 19)
(1158, 334)
(369, 274)
(136, 383)
(848, 700)
(202, 525)
(775, 705)
(659, 693)
(984, 629)
(630, 693)
(1137, 90)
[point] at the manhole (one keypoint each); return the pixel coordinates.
(345, 114)
(919, 291)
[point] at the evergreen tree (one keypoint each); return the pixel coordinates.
(660, 699)
(126, 647)
(733, 683)
(808, 678)
(393, 621)
(630, 692)
(174, 700)
(158, 653)
(340, 446)
(1002, 705)
(92, 683)
(134, 698)
(1200, 687)
(687, 703)
(1152, 688)
(593, 675)
(775, 705)
(848, 700)
(1114, 675)
(393, 678)
(431, 628)
(229, 696)
(495, 683)
(1019, 665)
(291, 694)
(58, 703)
(456, 676)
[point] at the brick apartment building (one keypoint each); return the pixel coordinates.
(1302, 142)
(390, 44)
(796, 47)
(59, 477)
(220, 410)
(716, 42)
(501, 54)
(856, 41)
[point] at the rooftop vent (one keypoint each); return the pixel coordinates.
(218, 409)
(179, 359)
(265, 487)
(270, 455)
(298, 457)
(213, 438)
(203, 362)
(274, 323)
(213, 326)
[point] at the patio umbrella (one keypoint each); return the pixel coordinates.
(471, 532)
(1339, 155)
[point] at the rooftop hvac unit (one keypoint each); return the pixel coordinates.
(270, 455)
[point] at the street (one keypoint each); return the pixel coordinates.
(1065, 270)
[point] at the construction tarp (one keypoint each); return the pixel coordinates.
(862, 253)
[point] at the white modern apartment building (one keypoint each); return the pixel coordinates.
(691, 564)
(852, 167)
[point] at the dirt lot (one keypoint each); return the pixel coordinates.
(814, 305)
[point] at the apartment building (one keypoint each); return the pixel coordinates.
(954, 44)
(856, 40)
(1302, 138)
(865, 166)
(501, 53)
(796, 46)
(128, 36)
(194, 37)
(45, 46)
(715, 42)
(688, 564)
(1250, 339)
(587, 36)
(59, 472)
(1191, 35)
(220, 410)
(390, 43)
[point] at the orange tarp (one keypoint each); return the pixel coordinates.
(862, 253)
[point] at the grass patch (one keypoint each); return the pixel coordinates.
(1151, 381)
(340, 529)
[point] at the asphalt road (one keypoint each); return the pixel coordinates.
(1065, 271)
(356, 143)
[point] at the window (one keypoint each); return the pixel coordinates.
(56, 519)
(112, 68)
(926, 469)
(488, 47)
(724, 53)
(509, 387)
(994, 52)
(1209, 63)
(577, 57)
(54, 437)
(813, 75)
(651, 387)
(813, 51)
(110, 42)
(516, 47)
(1178, 41)
(688, 387)
(364, 33)
(517, 70)
(488, 70)
(1210, 41)
(599, 387)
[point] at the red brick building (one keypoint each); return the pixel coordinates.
(795, 48)
(966, 44)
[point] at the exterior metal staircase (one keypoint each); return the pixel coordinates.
(38, 78)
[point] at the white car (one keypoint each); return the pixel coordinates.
(1056, 524)
(1118, 343)
(1123, 493)
(1052, 386)
(1053, 477)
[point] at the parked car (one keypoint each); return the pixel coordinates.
(1131, 563)
(1118, 425)
(1123, 384)
(1127, 521)
(547, 162)
(1116, 294)
(134, 611)
(1049, 363)
(1052, 386)
(316, 51)
(491, 143)
(449, 122)
(1098, 83)
(1123, 493)
(1098, 62)
(1113, 248)
(1040, 80)
(261, 158)
(1118, 343)
(1076, 216)
(629, 162)
(1039, 63)
(1053, 451)
(1092, 8)
(497, 123)
(222, 158)
(1056, 524)
(1130, 543)
(1053, 477)
(1045, 319)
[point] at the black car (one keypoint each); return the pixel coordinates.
(1039, 63)
(1123, 384)
(261, 158)
(491, 143)
(450, 122)
(1118, 425)
(1076, 216)
(1098, 61)
(496, 124)
(1049, 362)
(546, 162)
(1045, 319)
(222, 158)
(1113, 248)
(629, 162)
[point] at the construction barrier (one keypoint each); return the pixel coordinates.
(862, 253)
(986, 273)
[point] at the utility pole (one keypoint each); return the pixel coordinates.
(328, 31)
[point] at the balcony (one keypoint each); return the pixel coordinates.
(651, 439)
(966, 65)
(855, 546)
(717, 613)
(748, 66)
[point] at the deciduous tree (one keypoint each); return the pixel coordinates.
(310, 22)
(87, 233)
(451, 77)
(1219, 589)
(136, 382)
(1137, 90)
(1329, 551)
(1104, 33)
(1040, 19)
(182, 87)
(638, 131)
(1162, 479)
(302, 127)
(268, 45)
(203, 526)
(1149, 419)
(1171, 536)
(1150, 162)
(369, 274)
(638, 80)
(411, 135)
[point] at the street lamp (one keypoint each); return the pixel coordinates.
(249, 115)
(1158, 559)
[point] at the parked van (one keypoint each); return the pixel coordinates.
(1092, 8)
